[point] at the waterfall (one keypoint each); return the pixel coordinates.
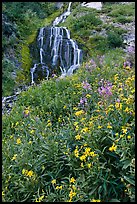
(63, 16)
(56, 51)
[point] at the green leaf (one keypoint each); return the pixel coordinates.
(114, 200)
(126, 164)
(129, 180)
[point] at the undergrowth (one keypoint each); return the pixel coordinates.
(73, 139)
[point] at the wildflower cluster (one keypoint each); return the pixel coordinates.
(77, 142)
(105, 89)
(27, 173)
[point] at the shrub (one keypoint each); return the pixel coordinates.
(8, 82)
(87, 21)
(99, 43)
(114, 40)
(123, 19)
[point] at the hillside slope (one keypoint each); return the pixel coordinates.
(73, 139)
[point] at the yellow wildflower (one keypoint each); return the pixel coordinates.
(120, 89)
(59, 187)
(72, 194)
(76, 152)
(75, 123)
(88, 96)
(84, 130)
(64, 107)
(126, 110)
(118, 106)
(92, 154)
(89, 165)
(17, 123)
(93, 200)
(83, 158)
(128, 137)
(116, 134)
(124, 130)
(109, 126)
(87, 151)
(82, 165)
(18, 141)
(72, 180)
(113, 148)
(30, 173)
(53, 181)
(39, 199)
(32, 131)
(26, 112)
(82, 119)
(14, 157)
(78, 113)
(75, 108)
(11, 136)
(24, 171)
(78, 137)
(77, 127)
(30, 142)
(49, 124)
(99, 127)
(3, 194)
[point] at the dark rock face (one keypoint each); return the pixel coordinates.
(59, 5)
(53, 52)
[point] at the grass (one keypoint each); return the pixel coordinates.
(58, 148)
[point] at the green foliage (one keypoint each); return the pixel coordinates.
(99, 43)
(123, 19)
(8, 82)
(56, 149)
(115, 10)
(114, 40)
(85, 22)
(17, 11)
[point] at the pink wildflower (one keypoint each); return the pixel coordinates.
(86, 85)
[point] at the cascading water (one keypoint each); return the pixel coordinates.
(56, 50)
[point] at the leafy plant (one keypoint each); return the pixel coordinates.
(114, 40)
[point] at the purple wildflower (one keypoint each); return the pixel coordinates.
(118, 100)
(105, 90)
(127, 63)
(86, 85)
(83, 100)
(131, 49)
(93, 63)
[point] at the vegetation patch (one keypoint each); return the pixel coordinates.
(76, 142)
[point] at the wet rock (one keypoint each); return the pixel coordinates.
(59, 5)
(95, 5)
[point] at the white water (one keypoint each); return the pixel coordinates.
(63, 16)
(69, 54)
(95, 5)
(32, 72)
